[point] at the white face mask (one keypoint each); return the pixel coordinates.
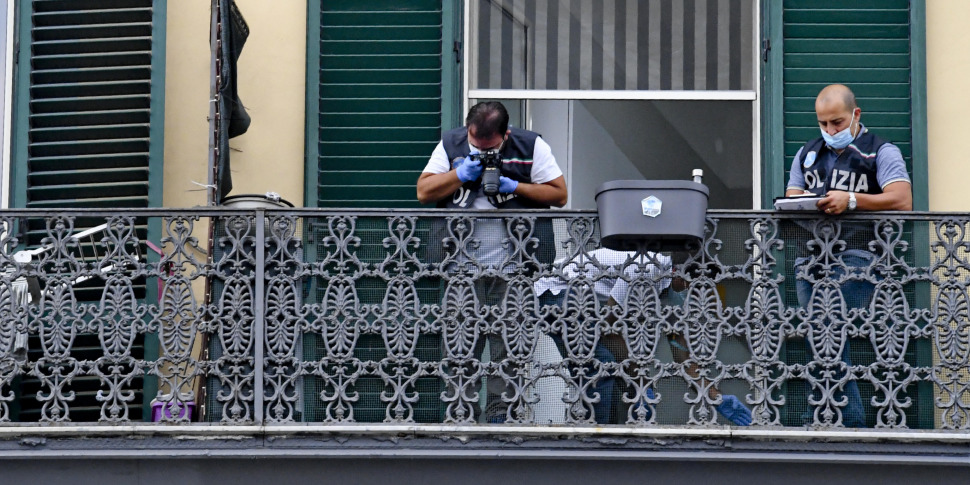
(841, 139)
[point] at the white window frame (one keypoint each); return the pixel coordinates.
(631, 95)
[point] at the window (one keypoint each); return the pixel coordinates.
(633, 89)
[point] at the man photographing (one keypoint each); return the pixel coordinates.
(529, 177)
(524, 175)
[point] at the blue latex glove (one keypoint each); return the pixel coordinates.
(506, 185)
(734, 410)
(468, 169)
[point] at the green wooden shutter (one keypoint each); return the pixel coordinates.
(864, 44)
(88, 133)
(374, 102)
(90, 96)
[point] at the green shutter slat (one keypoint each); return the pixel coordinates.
(391, 120)
(379, 100)
(80, 162)
(382, 134)
(839, 60)
(875, 89)
(849, 16)
(97, 188)
(380, 61)
(93, 16)
(87, 147)
(392, 192)
(376, 149)
(382, 48)
(101, 201)
(345, 91)
(379, 105)
(870, 46)
(382, 34)
(41, 6)
(842, 5)
(90, 176)
(355, 178)
(84, 118)
(94, 31)
(855, 31)
(372, 164)
(94, 59)
(110, 88)
(92, 74)
(87, 133)
(368, 6)
(383, 18)
(390, 76)
(84, 46)
(92, 103)
(827, 75)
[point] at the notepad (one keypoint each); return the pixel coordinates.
(805, 202)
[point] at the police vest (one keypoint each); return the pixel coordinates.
(854, 170)
(519, 148)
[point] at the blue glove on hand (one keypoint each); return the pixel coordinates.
(506, 185)
(734, 410)
(468, 169)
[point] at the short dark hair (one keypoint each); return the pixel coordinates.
(489, 118)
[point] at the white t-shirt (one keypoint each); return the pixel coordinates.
(544, 168)
(610, 286)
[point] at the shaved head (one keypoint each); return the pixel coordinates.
(835, 96)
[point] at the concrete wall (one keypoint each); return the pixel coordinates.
(271, 84)
(948, 103)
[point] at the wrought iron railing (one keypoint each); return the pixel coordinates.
(357, 316)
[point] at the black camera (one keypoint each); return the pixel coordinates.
(491, 169)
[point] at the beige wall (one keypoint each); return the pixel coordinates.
(271, 80)
(948, 103)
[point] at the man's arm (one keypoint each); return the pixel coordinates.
(439, 179)
(796, 179)
(433, 187)
(897, 196)
(551, 193)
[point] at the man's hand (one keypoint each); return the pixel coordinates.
(506, 185)
(468, 169)
(834, 202)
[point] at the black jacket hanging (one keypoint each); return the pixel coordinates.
(234, 120)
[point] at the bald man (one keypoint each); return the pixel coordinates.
(852, 169)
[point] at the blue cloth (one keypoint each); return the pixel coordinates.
(856, 294)
(734, 410)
